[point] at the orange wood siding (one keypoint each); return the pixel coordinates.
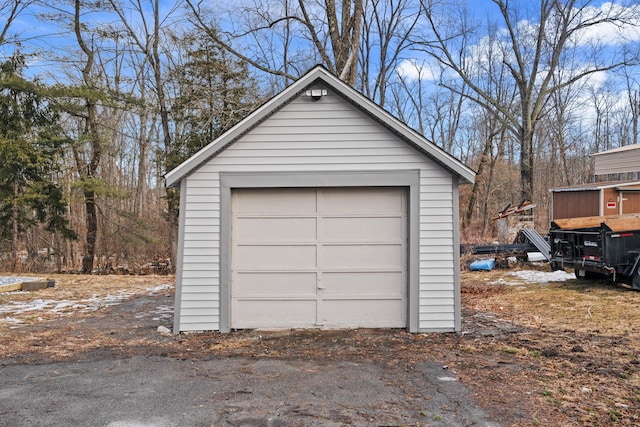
(630, 202)
(574, 204)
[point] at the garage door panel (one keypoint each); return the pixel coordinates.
(275, 230)
(272, 284)
(318, 257)
(363, 284)
(274, 201)
(359, 229)
(363, 313)
(269, 257)
(361, 200)
(362, 256)
(274, 313)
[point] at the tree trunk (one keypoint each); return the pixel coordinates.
(14, 228)
(88, 172)
(166, 129)
(526, 164)
(92, 232)
(479, 181)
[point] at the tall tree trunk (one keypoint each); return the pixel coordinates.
(88, 172)
(144, 142)
(526, 163)
(566, 175)
(479, 181)
(92, 231)
(14, 228)
(166, 130)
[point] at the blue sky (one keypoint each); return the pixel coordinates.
(47, 38)
(606, 34)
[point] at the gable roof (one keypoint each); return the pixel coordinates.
(319, 73)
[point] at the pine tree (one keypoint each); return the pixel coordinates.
(215, 91)
(30, 145)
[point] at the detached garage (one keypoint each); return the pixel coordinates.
(319, 210)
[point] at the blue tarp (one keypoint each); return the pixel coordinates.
(482, 265)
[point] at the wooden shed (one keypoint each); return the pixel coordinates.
(319, 210)
(596, 199)
(604, 198)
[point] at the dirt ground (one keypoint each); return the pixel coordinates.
(532, 354)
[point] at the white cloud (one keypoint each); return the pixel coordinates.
(597, 80)
(610, 33)
(413, 70)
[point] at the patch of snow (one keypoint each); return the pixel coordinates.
(163, 312)
(15, 293)
(66, 307)
(160, 313)
(534, 276)
(160, 288)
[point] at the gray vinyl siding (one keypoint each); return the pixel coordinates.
(326, 135)
(627, 160)
(200, 282)
(437, 266)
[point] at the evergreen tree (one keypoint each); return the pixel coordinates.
(214, 92)
(30, 145)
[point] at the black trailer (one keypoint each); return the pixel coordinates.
(597, 247)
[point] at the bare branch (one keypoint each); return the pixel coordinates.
(11, 9)
(197, 14)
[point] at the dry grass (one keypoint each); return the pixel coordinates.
(577, 349)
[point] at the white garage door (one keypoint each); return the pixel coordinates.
(328, 257)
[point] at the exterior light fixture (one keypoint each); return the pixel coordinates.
(316, 93)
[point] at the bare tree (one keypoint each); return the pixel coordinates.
(633, 96)
(409, 99)
(146, 37)
(10, 10)
(297, 35)
(387, 28)
(603, 106)
(532, 48)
